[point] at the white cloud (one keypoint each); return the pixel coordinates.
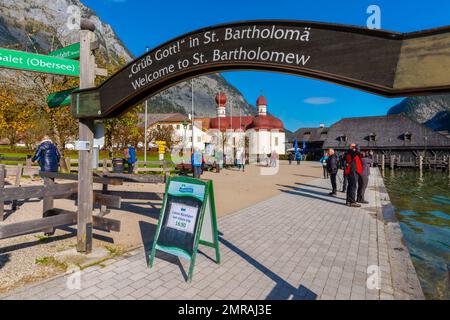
(319, 100)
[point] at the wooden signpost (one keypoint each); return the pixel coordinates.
(187, 219)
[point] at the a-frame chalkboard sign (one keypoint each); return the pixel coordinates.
(187, 219)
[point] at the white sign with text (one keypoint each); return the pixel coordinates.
(182, 217)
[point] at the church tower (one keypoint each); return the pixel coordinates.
(261, 103)
(221, 100)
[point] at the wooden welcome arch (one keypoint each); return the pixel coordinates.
(386, 63)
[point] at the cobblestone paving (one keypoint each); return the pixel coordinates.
(301, 244)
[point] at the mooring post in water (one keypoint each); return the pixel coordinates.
(421, 165)
(392, 162)
(383, 163)
(448, 164)
(448, 276)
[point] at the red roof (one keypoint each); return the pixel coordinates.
(231, 123)
(262, 101)
(247, 122)
(221, 99)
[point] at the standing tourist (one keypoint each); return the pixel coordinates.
(298, 157)
(47, 155)
(353, 171)
(323, 161)
(274, 158)
(332, 169)
(343, 166)
(243, 161)
(290, 157)
(130, 155)
(363, 180)
(197, 160)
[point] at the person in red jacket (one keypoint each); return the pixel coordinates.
(353, 170)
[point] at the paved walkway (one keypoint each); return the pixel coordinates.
(300, 244)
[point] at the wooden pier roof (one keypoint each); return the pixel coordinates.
(382, 132)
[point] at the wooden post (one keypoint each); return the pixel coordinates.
(17, 183)
(86, 133)
(68, 165)
(383, 163)
(2, 185)
(421, 165)
(392, 162)
(105, 165)
(48, 204)
(28, 163)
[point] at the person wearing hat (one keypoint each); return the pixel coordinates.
(47, 155)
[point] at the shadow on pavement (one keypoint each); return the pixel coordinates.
(25, 245)
(282, 290)
(312, 194)
(4, 259)
(148, 233)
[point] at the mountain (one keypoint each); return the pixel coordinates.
(42, 26)
(433, 111)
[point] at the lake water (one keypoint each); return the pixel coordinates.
(423, 209)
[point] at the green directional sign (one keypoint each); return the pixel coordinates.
(36, 62)
(69, 52)
(60, 99)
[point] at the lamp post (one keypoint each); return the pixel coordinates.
(192, 115)
(146, 125)
(185, 124)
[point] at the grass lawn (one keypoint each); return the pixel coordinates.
(20, 152)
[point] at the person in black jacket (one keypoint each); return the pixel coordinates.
(332, 168)
(47, 155)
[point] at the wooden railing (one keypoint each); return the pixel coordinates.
(53, 217)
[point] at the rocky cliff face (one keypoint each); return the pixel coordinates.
(433, 111)
(41, 26)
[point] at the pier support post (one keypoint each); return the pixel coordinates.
(421, 165)
(383, 163)
(392, 162)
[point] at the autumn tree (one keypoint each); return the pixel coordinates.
(125, 129)
(14, 116)
(164, 133)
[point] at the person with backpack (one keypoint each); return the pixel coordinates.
(130, 154)
(323, 161)
(197, 161)
(298, 157)
(353, 170)
(363, 179)
(47, 155)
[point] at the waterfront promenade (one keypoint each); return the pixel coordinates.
(300, 244)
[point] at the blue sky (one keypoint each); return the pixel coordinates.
(298, 101)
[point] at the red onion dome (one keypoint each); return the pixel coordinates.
(221, 99)
(262, 101)
(267, 122)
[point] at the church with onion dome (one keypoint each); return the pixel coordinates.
(255, 135)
